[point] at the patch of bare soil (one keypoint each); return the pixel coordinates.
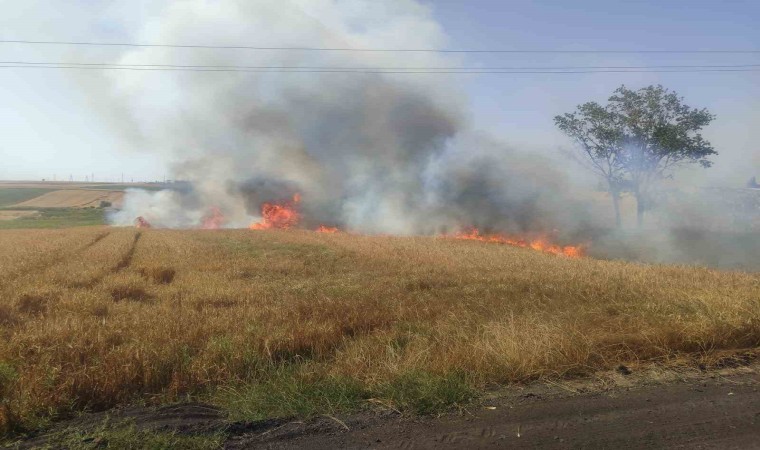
(719, 409)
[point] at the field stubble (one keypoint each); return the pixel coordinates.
(297, 323)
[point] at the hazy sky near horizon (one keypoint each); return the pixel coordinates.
(50, 127)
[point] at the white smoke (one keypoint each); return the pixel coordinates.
(372, 152)
(161, 207)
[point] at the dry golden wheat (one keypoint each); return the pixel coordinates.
(91, 318)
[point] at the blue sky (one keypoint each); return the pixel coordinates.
(48, 127)
(521, 107)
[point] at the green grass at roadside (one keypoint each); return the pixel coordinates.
(295, 392)
(289, 391)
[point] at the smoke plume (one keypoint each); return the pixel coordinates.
(388, 153)
(367, 152)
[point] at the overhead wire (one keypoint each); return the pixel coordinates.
(397, 68)
(354, 49)
(374, 71)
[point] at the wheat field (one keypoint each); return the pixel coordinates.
(73, 198)
(290, 322)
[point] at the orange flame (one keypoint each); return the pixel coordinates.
(282, 215)
(542, 243)
(326, 229)
(140, 222)
(213, 220)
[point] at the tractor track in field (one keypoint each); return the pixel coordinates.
(122, 264)
(97, 239)
(58, 258)
(126, 261)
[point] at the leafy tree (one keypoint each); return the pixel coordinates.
(599, 135)
(638, 139)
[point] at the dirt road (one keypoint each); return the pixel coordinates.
(714, 412)
(719, 410)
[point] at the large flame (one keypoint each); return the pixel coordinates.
(213, 220)
(279, 215)
(542, 243)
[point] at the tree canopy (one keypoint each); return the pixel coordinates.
(637, 139)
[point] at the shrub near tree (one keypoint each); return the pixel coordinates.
(638, 139)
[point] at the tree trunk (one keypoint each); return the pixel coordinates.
(616, 204)
(640, 209)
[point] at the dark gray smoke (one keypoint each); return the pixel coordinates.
(373, 153)
(369, 152)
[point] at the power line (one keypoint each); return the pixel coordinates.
(373, 71)
(180, 66)
(347, 49)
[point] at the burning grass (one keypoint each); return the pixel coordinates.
(279, 215)
(541, 243)
(296, 322)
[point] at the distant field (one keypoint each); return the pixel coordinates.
(54, 218)
(11, 196)
(298, 323)
(10, 214)
(122, 187)
(55, 185)
(44, 195)
(73, 198)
